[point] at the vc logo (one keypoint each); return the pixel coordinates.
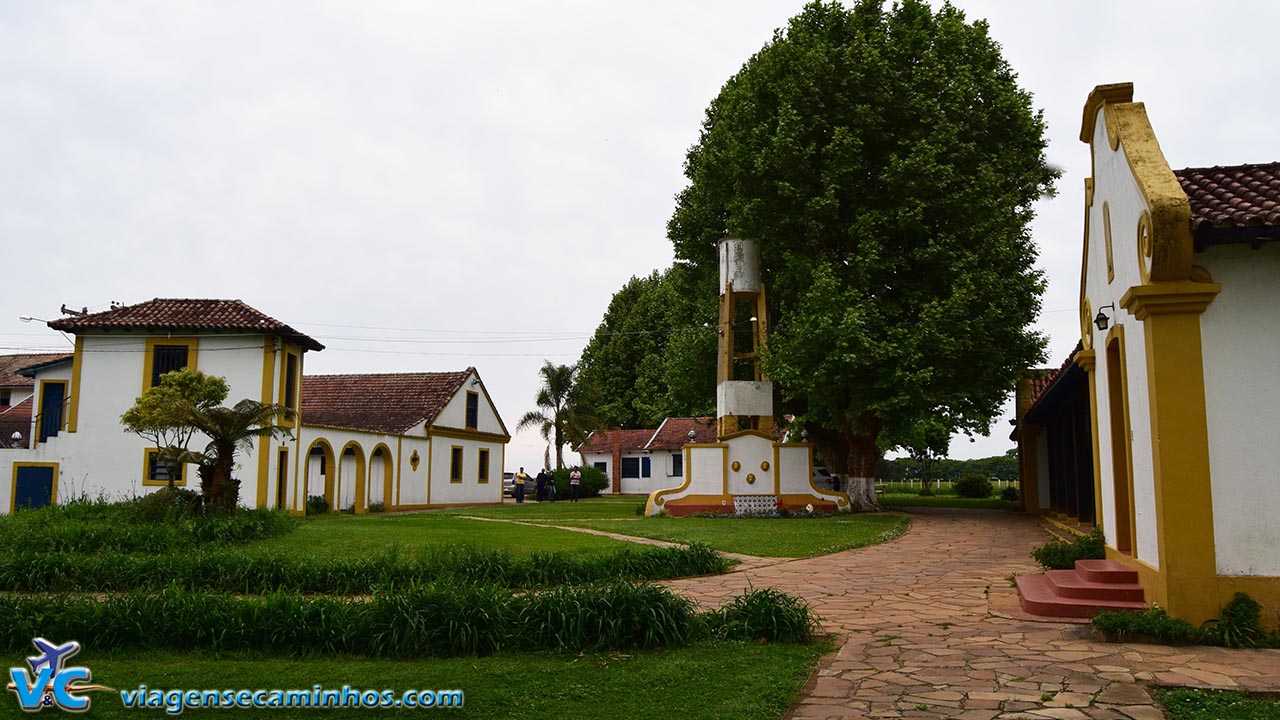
(50, 682)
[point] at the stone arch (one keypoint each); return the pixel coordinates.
(326, 468)
(385, 477)
(358, 498)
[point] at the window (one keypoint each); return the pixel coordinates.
(4, 397)
(158, 472)
(602, 467)
(282, 476)
(644, 467)
(483, 469)
(677, 465)
(473, 410)
(165, 355)
(630, 467)
(455, 464)
(291, 381)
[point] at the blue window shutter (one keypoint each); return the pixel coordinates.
(644, 466)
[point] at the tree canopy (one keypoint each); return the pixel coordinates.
(886, 161)
(560, 418)
(652, 356)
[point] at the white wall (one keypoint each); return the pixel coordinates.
(454, 414)
(1115, 186)
(1240, 333)
(470, 490)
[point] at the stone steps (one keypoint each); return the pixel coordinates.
(1093, 586)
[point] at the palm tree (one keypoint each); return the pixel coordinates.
(559, 417)
(229, 429)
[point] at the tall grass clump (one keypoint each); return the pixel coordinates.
(90, 526)
(430, 620)
(29, 570)
(765, 614)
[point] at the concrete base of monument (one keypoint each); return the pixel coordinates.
(747, 473)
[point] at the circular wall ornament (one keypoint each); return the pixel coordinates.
(736, 466)
(1086, 324)
(414, 460)
(751, 478)
(765, 466)
(1144, 246)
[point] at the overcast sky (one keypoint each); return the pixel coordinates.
(424, 186)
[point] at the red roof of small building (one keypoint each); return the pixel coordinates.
(187, 315)
(673, 434)
(380, 402)
(1239, 196)
(628, 441)
(16, 418)
(10, 365)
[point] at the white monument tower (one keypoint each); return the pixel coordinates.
(747, 469)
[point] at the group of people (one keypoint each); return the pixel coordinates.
(544, 485)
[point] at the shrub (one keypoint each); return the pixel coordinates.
(37, 571)
(1009, 494)
(429, 620)
(377, 507)
(1152, 625)
(97, 526)
(1059, 555)
(765, 614)
(593, 481)
(167, 504)
(1238, 626)
(973, 486)
(317, 505)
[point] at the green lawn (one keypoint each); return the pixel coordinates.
(766, 537)
(708, 680)
(372, 535)
(1190, 704)
(952, 501)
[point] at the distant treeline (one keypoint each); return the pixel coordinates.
(1003, 467)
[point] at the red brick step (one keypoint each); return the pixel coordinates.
(1094, 586)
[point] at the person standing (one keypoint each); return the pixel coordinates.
(540, 486)
(551, 486)
(575, 481)
(521, 477)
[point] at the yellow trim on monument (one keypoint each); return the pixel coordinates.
(73, 404)
(13, 483)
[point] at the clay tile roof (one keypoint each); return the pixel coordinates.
(15, 419)
(628, 440)
(187, 315)
(1041, 381)
(1233, 197)
(380, 402)
(674, 433)
(10, 365)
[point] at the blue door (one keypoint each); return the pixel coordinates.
(34, 487)
(51, 398)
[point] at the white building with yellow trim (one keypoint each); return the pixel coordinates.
(78, 447)
(1180, 347)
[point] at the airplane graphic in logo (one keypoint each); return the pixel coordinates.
(54, 656)
(51, 682)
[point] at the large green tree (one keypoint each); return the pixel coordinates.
(886, 161)
(653, 355)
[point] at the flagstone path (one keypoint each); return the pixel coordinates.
(930, 629)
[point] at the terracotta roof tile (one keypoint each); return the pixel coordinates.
(16, 419)
(11, 364)
(1240, 196)
(628, 440)
(380, 402)
(184, 314)
(674, 433)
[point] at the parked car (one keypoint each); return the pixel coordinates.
(823, 479)
(508, 484)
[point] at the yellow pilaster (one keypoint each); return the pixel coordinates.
(1088, 361)
(1170, 314)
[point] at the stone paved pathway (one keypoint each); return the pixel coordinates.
(922, 637)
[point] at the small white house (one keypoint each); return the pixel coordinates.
(17, 394)
(401, 440)
(77, 445)
(637, 462)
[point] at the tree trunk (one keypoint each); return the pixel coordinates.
(559, 447)
(863, 456)
(220, 492)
